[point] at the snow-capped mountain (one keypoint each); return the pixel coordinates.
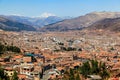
(84, 21)
(37, 22)
(46, 15)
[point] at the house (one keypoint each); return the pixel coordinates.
(21, 77)
(94, 77)
(27, 59)
(26, 69)
(1, 60)
(36, 78)
(53, 73)
(31, 70)
(17, 58)
(9, 71)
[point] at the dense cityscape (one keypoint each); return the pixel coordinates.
(59, 40)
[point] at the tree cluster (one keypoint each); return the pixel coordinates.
(94, 67)
(4, 76)
(4, 48)
(71, 74)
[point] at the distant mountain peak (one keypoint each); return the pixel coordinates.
(46, 15)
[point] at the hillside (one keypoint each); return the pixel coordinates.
(107, 24)
(10, 25)
(80, 22)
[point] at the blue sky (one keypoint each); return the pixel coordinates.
(57, 7)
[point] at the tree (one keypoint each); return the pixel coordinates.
(71, 75)
(15, 77)
(66, 75)
(94, 68)
(13, 49)
(77, 77)
(2, 48)
(85, 69)
(3, 76)
(104, 73)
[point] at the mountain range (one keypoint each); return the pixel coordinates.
(94, 20)
(80, 22)
(10, 25)
(37, 22)
(34, 23)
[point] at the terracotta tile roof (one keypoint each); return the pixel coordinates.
(75, 64)
(37, 68)
(27, 59)
(10, 63)
(2, 63)
(60, 68)
(1, 59)
(21, 76)
(52, 76)
(114, 79)
(8, 68)
(18, 56)
(82, 55)
(117, 65)
(16, 63)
